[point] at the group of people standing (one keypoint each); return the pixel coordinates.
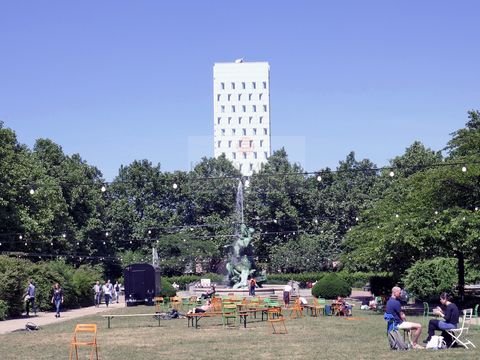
(30, 294)
(109, 291)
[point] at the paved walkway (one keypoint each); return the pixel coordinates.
(45, 318)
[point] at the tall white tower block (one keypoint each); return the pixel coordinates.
(241, 108)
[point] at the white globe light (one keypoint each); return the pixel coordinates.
(319, 178)
(103, 188)
(464, 169)
(175, 186)
(32, 191)
(391, 174)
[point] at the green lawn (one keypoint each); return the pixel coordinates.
(363, 337)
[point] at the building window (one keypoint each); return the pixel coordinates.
(222, 86)
(229, 120)
(229, 143)
(264, 108)
(223, 131)
(254, 131)
(250, 120)
(260, 96)
(243, 85)
(249, 97)
(222, 108)
(218, 143)
(239, 143)
(229, 97)
(260, 119)
(251, 167)
(233, 131)
(240, 167)
(264, 84)
(218, 120)
(244, 132)
(218, 97)
(266, 154)
(261, 143)
(239, 120)
(244, 155)
(251, 144)
(239, 97)
(265, 131)
(254, 108)
(233, 108)
(254, 85)
(234, 155)
(233, 85)
(244, 108)
(255, 155)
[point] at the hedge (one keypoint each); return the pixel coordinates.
(75, 282)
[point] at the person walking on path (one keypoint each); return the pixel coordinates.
(57, 298)
(107, 291)
(117, 290)
(97, 290)
(29, 297)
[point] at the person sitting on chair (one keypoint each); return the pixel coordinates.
(202, 308)
(449, 313)
(395, 309)
(209, 293)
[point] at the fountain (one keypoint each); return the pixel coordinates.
(241, 264)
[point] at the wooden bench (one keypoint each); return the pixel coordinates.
(111, 316)
(195, 317)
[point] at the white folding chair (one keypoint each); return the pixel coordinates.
(459, 335)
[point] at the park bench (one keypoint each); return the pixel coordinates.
(193, 318)
(111, 316)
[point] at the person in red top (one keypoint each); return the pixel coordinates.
(252, 285)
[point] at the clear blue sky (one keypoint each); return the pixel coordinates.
(117, 80)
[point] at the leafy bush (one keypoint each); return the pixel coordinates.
(167, 288)
(426, 279)
(331, 286)
(82, 282)
(14, 275)
(3, 310)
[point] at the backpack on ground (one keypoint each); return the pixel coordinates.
(30, 326)
(395, 340)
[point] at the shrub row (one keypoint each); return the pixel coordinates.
(14, 275)
(354, 280)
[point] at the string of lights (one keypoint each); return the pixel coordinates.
(176, 182)
(165, 231)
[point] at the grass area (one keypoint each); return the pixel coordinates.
(362, 337)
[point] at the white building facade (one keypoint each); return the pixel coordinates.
(241, 103)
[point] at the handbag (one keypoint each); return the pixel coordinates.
(436, 342)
